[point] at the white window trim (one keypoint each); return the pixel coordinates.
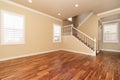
(2, 28)
(111, 41)
(60, 34)
(117, 41)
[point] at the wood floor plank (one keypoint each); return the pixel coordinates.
(62, 65)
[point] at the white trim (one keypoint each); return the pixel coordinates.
(77, 40)
(110, 50)
(117, 20)
(84, 34)
(95, 46)
(85, 19)
(27, 55)
(109, 41)
(74, 51)
(30, 9)
(57, 25)
(71, 30)
(93, 53)
(44, 52)
(2, 28)
(81, 42)
(107, 12)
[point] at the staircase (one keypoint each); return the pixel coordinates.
(81, 19)
(84, 38)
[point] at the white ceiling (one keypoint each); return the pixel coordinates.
(67, 7)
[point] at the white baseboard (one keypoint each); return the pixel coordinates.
(43, 52)
(31, 54)
(110, 50)
(79, 52)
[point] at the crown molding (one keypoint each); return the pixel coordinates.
(117, 20)
(30, 9)
(107, 12)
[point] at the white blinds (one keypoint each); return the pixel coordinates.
(110, 32)
(56, 33)
(12, 28)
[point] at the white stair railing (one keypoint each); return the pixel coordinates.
(87, 40)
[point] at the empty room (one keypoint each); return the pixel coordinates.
(59, 39)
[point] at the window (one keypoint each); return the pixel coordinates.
(56, 33)
(110, 32)
(70, 19)
(12, 28)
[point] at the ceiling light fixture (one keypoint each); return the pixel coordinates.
(59, 14)
(30, 1)
(76, 5)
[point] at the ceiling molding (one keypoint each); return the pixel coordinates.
(117, 20)
(30, 9)
(107, 12)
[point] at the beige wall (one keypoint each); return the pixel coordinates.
(77, 20)
(38, 33)
(90, 27)
(72, 43)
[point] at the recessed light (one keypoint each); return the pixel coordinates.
(30, 1)
(59, 14)
(76, 5)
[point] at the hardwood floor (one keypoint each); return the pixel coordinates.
(62, 65)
